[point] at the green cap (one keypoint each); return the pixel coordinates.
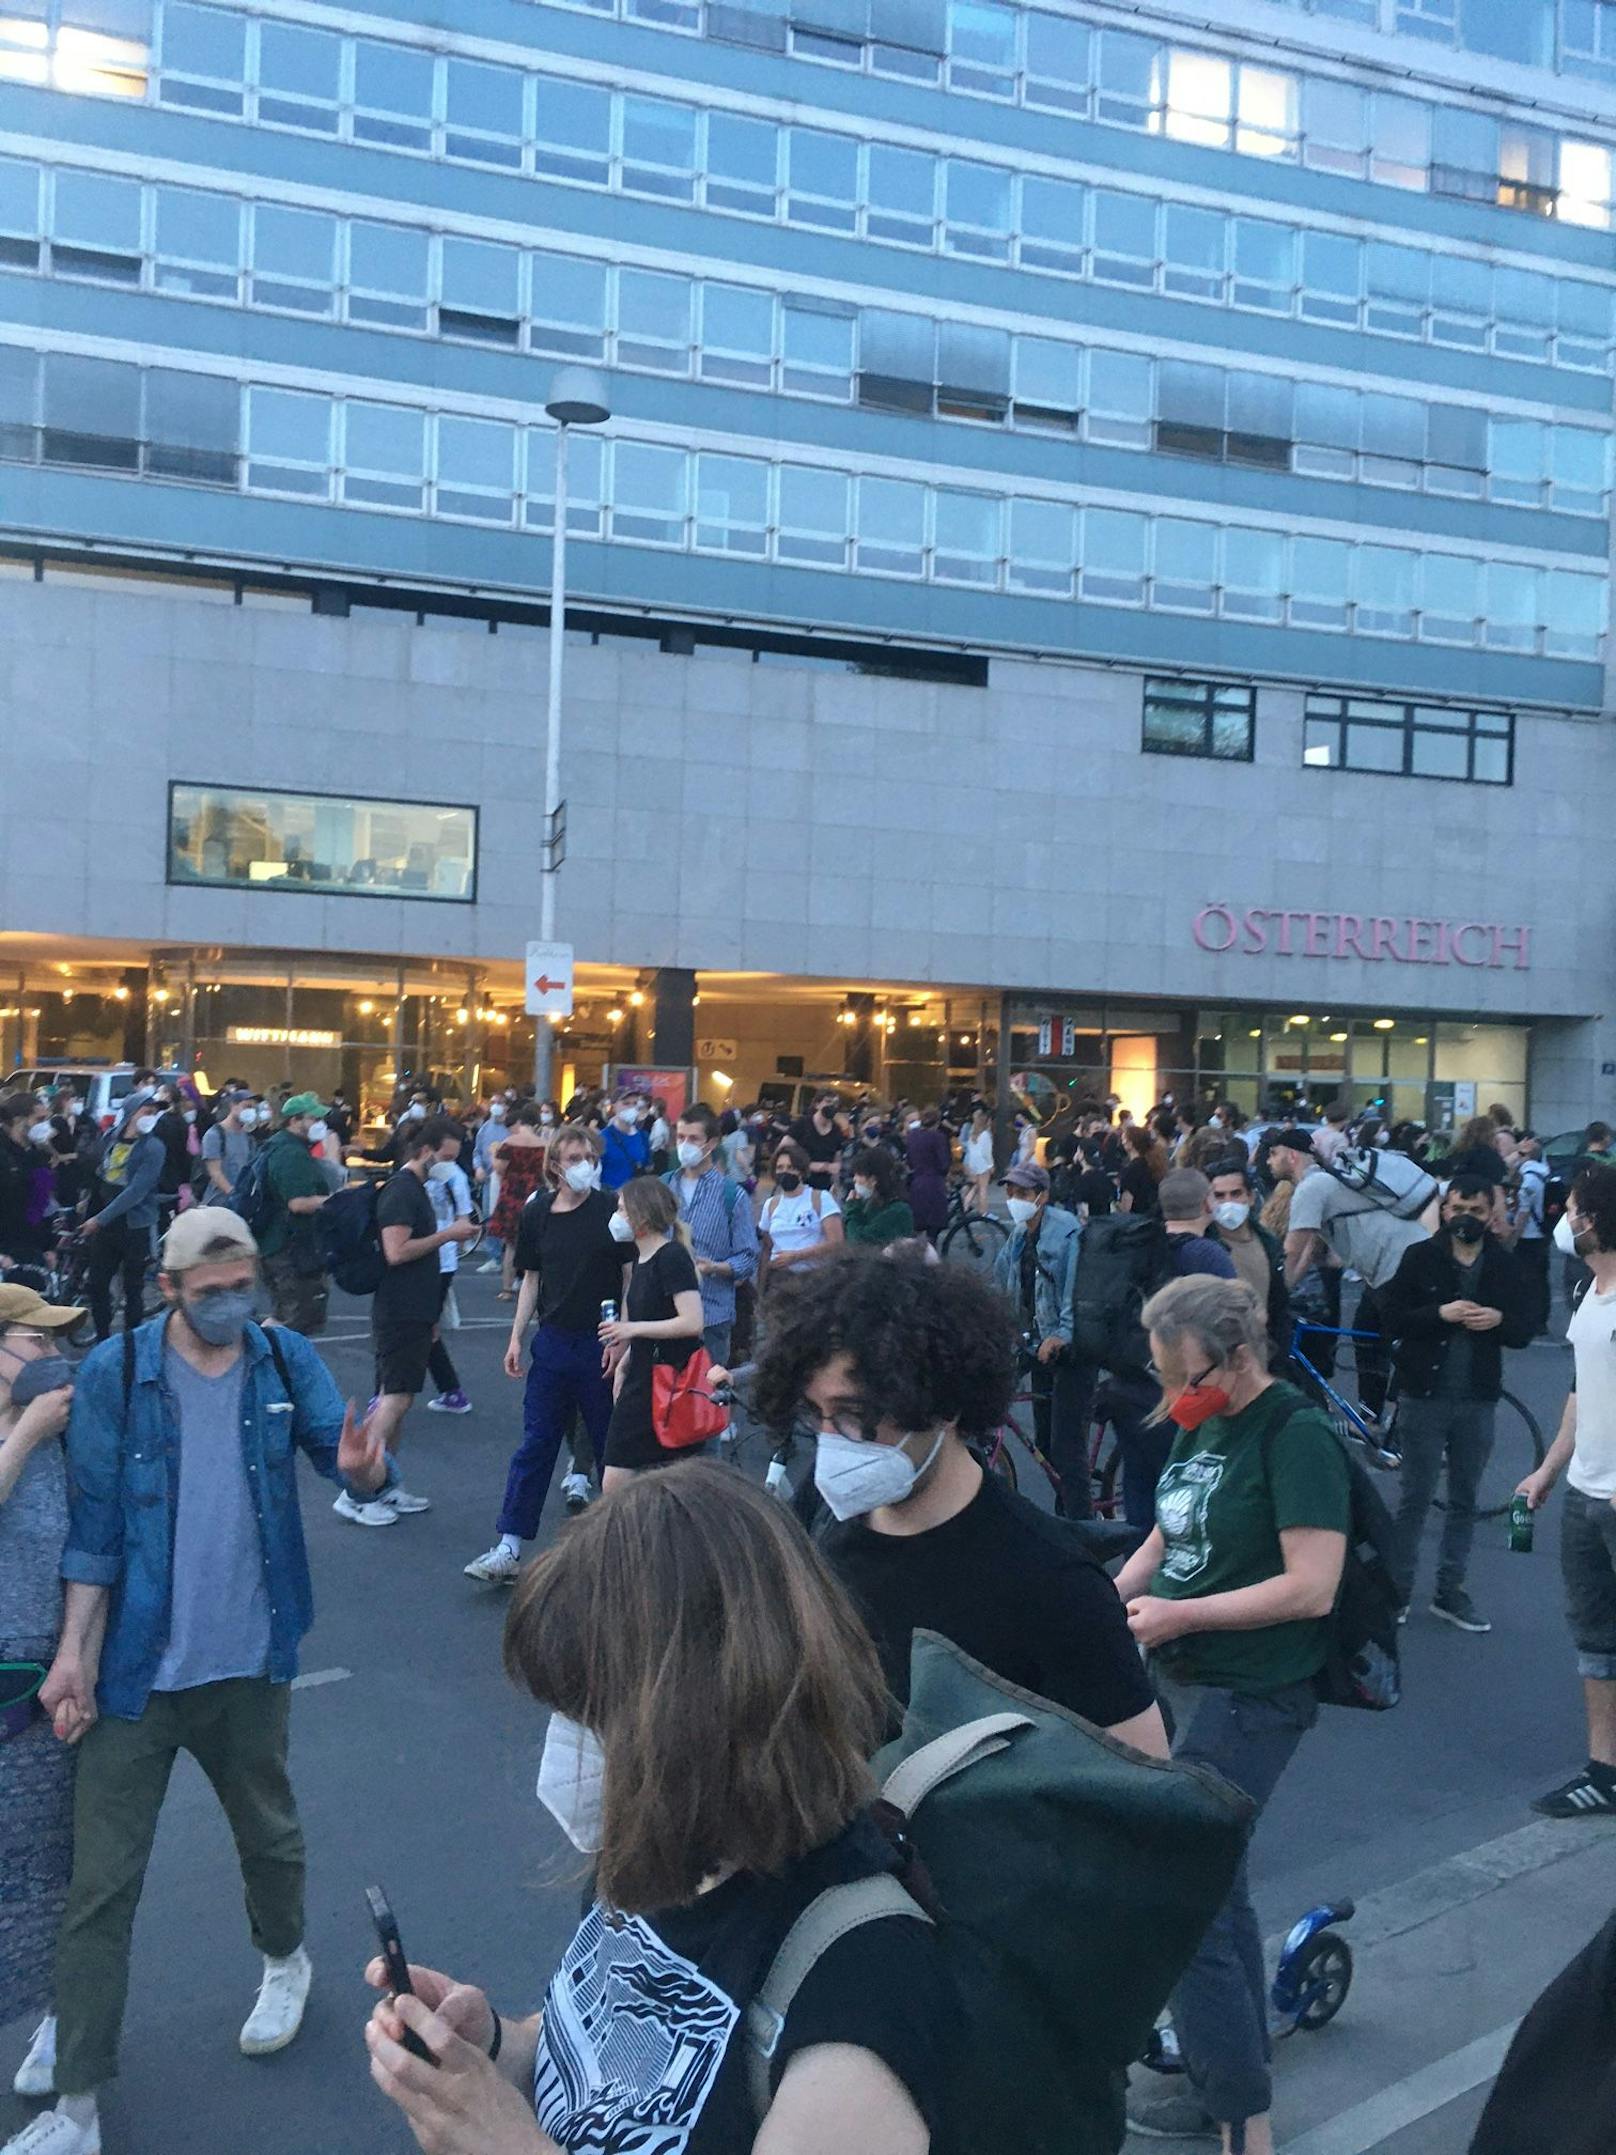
(303, 1103)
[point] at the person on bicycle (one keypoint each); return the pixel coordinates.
(898, 1365)
(1230, 1597)
(1452, 1304)
(1035, 1269)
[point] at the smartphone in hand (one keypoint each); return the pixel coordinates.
(398, 1968)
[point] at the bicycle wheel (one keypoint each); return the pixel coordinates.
(1517, 1451)
(999, 1457)
(975, 1239)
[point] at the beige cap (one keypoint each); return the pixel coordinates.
(189, 1241)
(20, 1305)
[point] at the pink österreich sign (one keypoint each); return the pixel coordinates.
(1379, 938)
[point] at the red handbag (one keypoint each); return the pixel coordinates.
(681, 1412)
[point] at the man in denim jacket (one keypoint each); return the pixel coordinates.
(1036, 1269)
(187, 1594)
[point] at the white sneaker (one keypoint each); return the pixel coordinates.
(278, 2014)
(576, 1491)
(371, 1514)
(497, 1567)
(493, 1265)
(399, 1499)
(37, 2073)
(53, 2132)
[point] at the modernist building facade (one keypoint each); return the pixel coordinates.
(1096, 509)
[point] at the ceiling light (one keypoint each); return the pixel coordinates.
(1384, 1025)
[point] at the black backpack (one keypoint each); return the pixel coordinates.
(252, 1197)
(1361, 1666)
(1121, 1260)
(350, 1239)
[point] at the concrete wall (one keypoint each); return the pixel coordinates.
(731, 816)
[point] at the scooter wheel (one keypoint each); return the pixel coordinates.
(1326, 1973)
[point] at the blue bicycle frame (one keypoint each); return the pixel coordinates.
(1356, 1420)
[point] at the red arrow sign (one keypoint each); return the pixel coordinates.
(546, 986)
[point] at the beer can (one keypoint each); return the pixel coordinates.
(1520, 1526)
(608, 1313)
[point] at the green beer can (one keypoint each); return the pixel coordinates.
(1520, 1526)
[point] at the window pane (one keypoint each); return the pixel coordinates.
(816, 346)
(1266, 103)
(569, 306)
(294, 253)
(1052, 222)
(198, 241)
(476, 468)
(732, 504)
(1121, 394)
(1058, 62)
(654, 320)
(298, 841)
(573, 131)
(742, 158)
(1124, 238)
(1114, 543)
(1176, 719)
(289, 441)
(96, 228)
(204, 41)
(1186, 565)
(384, 455)
(897, 361)
(977, 209)
(659, 147)
(481, 286)
(1199, 90)
(903, 189)
(1439, 754)
(1320, 569)
(966, 540)
(649, 488)
(1253, 573)
(1400, 142)
(1260, 420)
(1126, 77)
(1042, 547)
(1574, 611)
(1049, 383)
(1450, 598)
(193, 427)
(891, 526)
(483, 103)
(1383, 581)
(737, 334)
(973, 371)
(388, 269)
(392, 95)
(813, 516)
(1375, 748)
(92, 412)
(299, 77)
(1585, 184)
(1194, 243)
(1265, 264)
(1331, 278)
(821, 179)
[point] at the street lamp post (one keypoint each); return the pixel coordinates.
(577, 399)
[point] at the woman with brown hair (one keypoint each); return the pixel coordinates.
(661, 1321)
(520, 1161)
(1147, 1163)
(714, 1700)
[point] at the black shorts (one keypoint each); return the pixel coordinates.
(402, 1352)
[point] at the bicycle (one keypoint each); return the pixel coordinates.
(1517, 1427)
(970, 1238)
(1105, 1452)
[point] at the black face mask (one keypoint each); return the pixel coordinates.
(789, 1179)
(1467, 1229)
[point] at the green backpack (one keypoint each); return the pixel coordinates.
(1077, 1878)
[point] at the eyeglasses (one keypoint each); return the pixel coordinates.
(856, 1423)
(32, 1339)
(1171, 1383)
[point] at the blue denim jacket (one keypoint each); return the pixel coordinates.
(123, 1496)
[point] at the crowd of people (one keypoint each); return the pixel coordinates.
(721, 1669)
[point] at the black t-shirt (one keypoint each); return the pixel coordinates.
(1136, 1181)
(1012, 1586)
(1095, 1189)
(822, 1147)
(644, 2040)
(578, 1263)
(408, 1294)
(631, 1440)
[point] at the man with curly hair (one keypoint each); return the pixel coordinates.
(898, 1364)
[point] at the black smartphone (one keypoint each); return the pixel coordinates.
(398, 1968)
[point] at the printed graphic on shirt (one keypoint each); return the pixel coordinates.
(633, 2038)
(1183, 1497)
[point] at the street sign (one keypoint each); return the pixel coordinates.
(549, 980)
(1068, 1036)
(1046, 1037)
(717, 1050)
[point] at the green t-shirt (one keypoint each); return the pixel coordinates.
(292, 1171)
(1227, 1492)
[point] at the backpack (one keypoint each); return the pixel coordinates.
(731, 1190)
(1121, 1261)
(1388, 1181)
(252, 1198)
(1361, 1666)
(350, 1240)
(1045, 1842)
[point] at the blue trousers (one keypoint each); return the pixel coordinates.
(564, 1374)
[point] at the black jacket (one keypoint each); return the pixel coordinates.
(1411, 1301)
(1279, 1299)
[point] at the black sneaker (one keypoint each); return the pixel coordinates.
(1456, 1607)
(1176, 2114)
(1581, 1797)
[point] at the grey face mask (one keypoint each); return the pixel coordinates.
(35, 1379)
(221, 1318)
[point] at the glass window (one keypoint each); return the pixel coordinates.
(21, 222)
(891, 527)
(1048, 384)
(1464, 154)
(288, 442)
(1450, 598)
(1265, 264)
(1114, 556)
(572, 131)
(393, 95)
(908, 37)
(1126, 79)
(480, 292)
(1525, 304)
(654, 321)
(1186, 575)
(102, 46)
(1320, 569)
(1124, 238)
(294, 260)
(813, 516)
(1519, 458)
(1052, 219)
(1518, 30)
(982, 48)
(1190, 409)
(977, 210)
(388, 274)
(659, 148)
(568, 306)
(193, 427)
(737, 335)
(586, 480)
(384, 460)
(650, 489)
(1393, 440)
(966, 537)
(1383, 587)
(311, 841)
(484, 113)
(732, 504)
(1400, 143)
(1266, 113)
(897, 361)
(1511, 606)
(476, 469)
(821, 179)
(210, 48)
(1043, 538)
(1574, 614)
(1335, 126)
(1327, 430)
(1332, 278)
(95, 228)
(1199, 718)
(760, 23)
(1579, 470)
(1526, 169)
(816, 349)
(1199, 98)
(299, 78)
(1121, 399)
(1253, 574)
(1260, 420)
(1194, 245)
(1059, 60)
(742, 165)
(1585, 184)
(19, 404)
(1588, 39)
(1583, 312)
(1461, 303)
(1380, 734)
(973, 372)
(902, 196)
(1456, 449)
(198, 243)
(1398, 281)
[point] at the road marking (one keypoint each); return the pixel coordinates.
(1370, 2124)
(315, 1677)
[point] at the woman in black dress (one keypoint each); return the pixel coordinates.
(662, 1322)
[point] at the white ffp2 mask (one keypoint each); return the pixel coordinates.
(572, 1783)
(857, 1477)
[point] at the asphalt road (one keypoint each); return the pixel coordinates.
(415, 1767)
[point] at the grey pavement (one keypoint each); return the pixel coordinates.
(416, 1770)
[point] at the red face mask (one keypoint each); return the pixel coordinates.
(1198, 1403)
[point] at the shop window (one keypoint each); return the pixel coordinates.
(1408, 740)
(266, 840)
(1199, 718)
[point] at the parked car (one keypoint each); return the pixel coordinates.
(103, 1090)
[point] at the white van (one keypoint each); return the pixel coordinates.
(103, 1090)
